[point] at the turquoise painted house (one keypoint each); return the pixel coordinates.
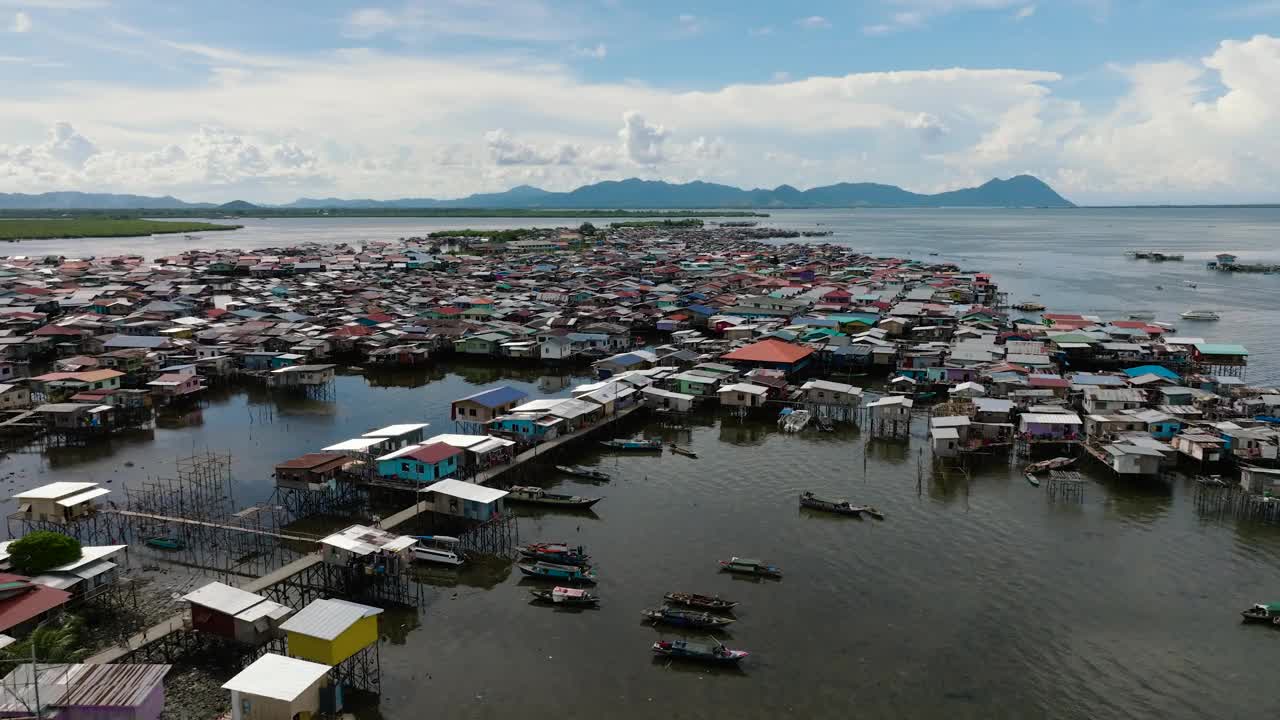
(421, 463)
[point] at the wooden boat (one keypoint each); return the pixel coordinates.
(1053, 464)
(566, 596)
(705, 652)
(1035, 481)
(682, 451)
(871, 511)
(560, 553)
(553, 571)
(641, 445)
(1262, 612)
(1029, 307)
(584, 472)
(704, 602)
(744, 566)
(687, 618)
(164, 543)
(839, 507)
(538, 496)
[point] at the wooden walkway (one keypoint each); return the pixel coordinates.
(204, 523)
(175, 623)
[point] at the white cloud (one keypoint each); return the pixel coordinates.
(929, 127)
(20, 23)
(415, 20)
(641, 142)
(689, 24)
(599, 52)
(1264, 8)
(1024, 12)
(368, 22)
(704, 148)
(762, 31)
(505, 150)
(55, 4)
(814, 22)
(781, 76)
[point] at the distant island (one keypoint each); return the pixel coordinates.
(596, 200)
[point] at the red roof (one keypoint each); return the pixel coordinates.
(770, 351)
(433, 453)
(23, 600)
(1044, 381)
(353, 331)
(58, 330)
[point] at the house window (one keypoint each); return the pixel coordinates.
(421, 469)
(472, 411)
(404, 467)
(741, 397)
(245, 707)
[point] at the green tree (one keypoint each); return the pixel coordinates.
(42, 550)
(59, 641)
(587, 228)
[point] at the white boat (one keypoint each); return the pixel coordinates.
(1142, 315)
(1200, 315)
(437, 554)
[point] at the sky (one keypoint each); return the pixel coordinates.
(1109, 101)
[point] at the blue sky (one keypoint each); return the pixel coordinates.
(1111, 102)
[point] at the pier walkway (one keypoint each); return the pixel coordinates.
(205, 523)
(176, 623)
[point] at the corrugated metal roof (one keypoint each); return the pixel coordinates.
(85, 496)
(395, 430)
(277, 677)
(55, 490)
(466, 491)
(327, 619)
(223, 598)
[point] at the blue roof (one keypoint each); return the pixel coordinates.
(701, 309)
(1221, 349)
(496, 397)
(1162, 371)
(1097, 380)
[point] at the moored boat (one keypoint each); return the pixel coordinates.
(1200, 314)
(1029, 307)
(584, 472)
(686, 618)
(704, 602)
(555, 571)
(538, 496)
(1052, 464)
(642, 445)
(164, 543)
(839, 507)
(744, 566)
(566, 596)
(1035, 481)
(438, 549)
(1262, 612)
(698, 651)
(683, 451)
(870, 510)
(561, 553)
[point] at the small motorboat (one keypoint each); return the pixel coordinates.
(561, 553)
(744, 566)
(686, 618)
(538, 496)
(562, 573)
(839, 507)
(434, 552)
(1205, 315)
(705, 652)
(635, 445)
(1262, 612)
(1142, 315)
(584, 472)
(1035, 481)
(871, 511)
(566, 596)
(683, 451)
(164, 543)
(704, 602)
(1057, 463)
(1029, 307)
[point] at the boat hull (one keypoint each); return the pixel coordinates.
(701, 602)
(679, 618)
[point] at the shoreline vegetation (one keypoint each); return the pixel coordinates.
(269, 213)
(15, 229)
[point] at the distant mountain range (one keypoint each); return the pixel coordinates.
(1020, 191)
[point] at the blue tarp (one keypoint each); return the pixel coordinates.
(1163, 372)
(497, 396)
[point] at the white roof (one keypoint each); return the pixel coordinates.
(492, 444)
(949, 421)
(945, 434)
(90, 554)
(55, 490)
(659, 392)
(327, 619)
(223, 598)
(363, 540)
(397, 453)
(85, 496)
(892, 400)
(357, 444)
(277, 677)
(1051, 418)
(832, 386)
(466, 491)
(458, 441)
(395, 430)
(267, 609)
(745, 388)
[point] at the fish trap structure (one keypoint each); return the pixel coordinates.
(1065, 485)
(190, 519)
(1216, 498)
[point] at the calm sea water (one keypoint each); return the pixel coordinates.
(976, 598)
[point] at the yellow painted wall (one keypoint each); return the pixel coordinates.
(357, 637)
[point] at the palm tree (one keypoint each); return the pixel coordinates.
(59, 642)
